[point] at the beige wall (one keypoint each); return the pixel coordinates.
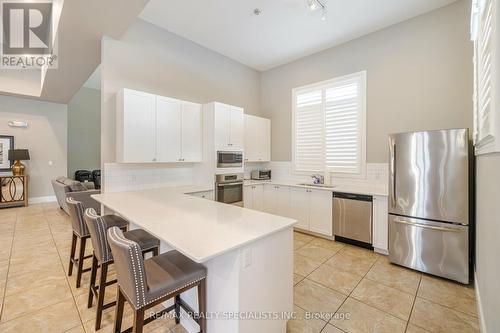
(487, 238)
(151, 59)
(45, 137)
(419, 76)
(84, 131)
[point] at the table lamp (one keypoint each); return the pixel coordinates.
(18, 155)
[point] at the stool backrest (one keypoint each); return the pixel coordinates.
(129, 265)
(97, 227)
(76, 209)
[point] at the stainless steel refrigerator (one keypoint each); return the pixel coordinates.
(429, 196)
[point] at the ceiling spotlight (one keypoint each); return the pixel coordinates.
(257, 11)
(315, 4)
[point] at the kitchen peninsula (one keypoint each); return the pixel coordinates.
(248, 254)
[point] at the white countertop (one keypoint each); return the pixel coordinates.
(355, 189)
(198, 228)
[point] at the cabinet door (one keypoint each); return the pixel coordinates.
(380, 224)
(222, 126)
(264, 150)
(270, 198)
(258, 197)
(320, 212)
(299, 207)
(251, 138)
(248, 196)
(191, 132)
(237, 130)
(168, 129)
(283, 201)
(139, 127)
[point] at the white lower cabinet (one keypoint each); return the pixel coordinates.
(277, 199)
(253, 197)
(380, 224)
(312, 209)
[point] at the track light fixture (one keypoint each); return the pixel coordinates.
(318, 4)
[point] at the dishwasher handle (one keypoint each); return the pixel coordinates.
(352, 196)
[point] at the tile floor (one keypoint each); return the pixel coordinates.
(338, 288)
(342, 288)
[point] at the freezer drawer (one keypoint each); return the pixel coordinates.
(437, 248)
(352, 217)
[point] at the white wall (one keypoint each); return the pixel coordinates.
(84, 131)
(46, 139)
(487, 238)
(152, 59)
(419, 76)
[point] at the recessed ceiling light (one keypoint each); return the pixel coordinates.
(257, 11)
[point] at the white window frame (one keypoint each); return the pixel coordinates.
(323, 85)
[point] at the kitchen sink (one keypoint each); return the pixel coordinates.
(317, 185)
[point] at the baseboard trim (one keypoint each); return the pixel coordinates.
(38, 200)
(480, 313)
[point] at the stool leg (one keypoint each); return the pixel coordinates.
(72, 254)
(202, 301)
(83, 241)
(93, 275)
(138, 320)
(155, 251)
(120, 302)
(177, 309)
(100, 295)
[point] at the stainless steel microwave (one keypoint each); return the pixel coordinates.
(261, 174)
(229, 159)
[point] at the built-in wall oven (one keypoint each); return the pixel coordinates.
(229, 159)
(229, 189)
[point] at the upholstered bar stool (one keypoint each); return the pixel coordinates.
(80, 232)
(146, 283)
(97, 226)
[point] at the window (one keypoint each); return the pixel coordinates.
(329, 126)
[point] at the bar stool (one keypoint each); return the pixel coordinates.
(80, 232)
(97, 226)
(146, 283)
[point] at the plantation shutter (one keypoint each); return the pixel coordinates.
(309, 123)
(343, 124)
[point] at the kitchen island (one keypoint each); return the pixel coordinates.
(248, 254)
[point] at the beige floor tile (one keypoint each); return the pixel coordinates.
(328, 244)
(354, 316)
(437, 318)
(77, 329)
(108, 320)
(176, 329)
(360, 252)
(315, 252)
(303, 324)
(34, 299)
(341, 281)
(34, 280)
(54, 318)
(303, 237)
(19, 267)
(331, 329)
(346, 261)
(394, 276)
(87, 314)
(297, 278)
(314, 297)
(390, 300)
(415, 329)
(451, 294)
(304, 265)
(297, 244)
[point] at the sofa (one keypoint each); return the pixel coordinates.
(65, 187)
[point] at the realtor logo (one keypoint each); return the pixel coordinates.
(27, 36)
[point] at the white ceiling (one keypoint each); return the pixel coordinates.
(285, 30)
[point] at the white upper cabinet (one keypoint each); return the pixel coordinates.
(152, 128)
(191, 133)
(257, 139)
(135, 127)
(168, 129)
(228, 126)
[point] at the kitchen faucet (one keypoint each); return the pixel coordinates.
(318, 179)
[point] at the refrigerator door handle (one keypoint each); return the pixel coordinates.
(393, 173)
(420, 225)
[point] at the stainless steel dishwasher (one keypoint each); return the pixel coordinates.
(352, 218)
